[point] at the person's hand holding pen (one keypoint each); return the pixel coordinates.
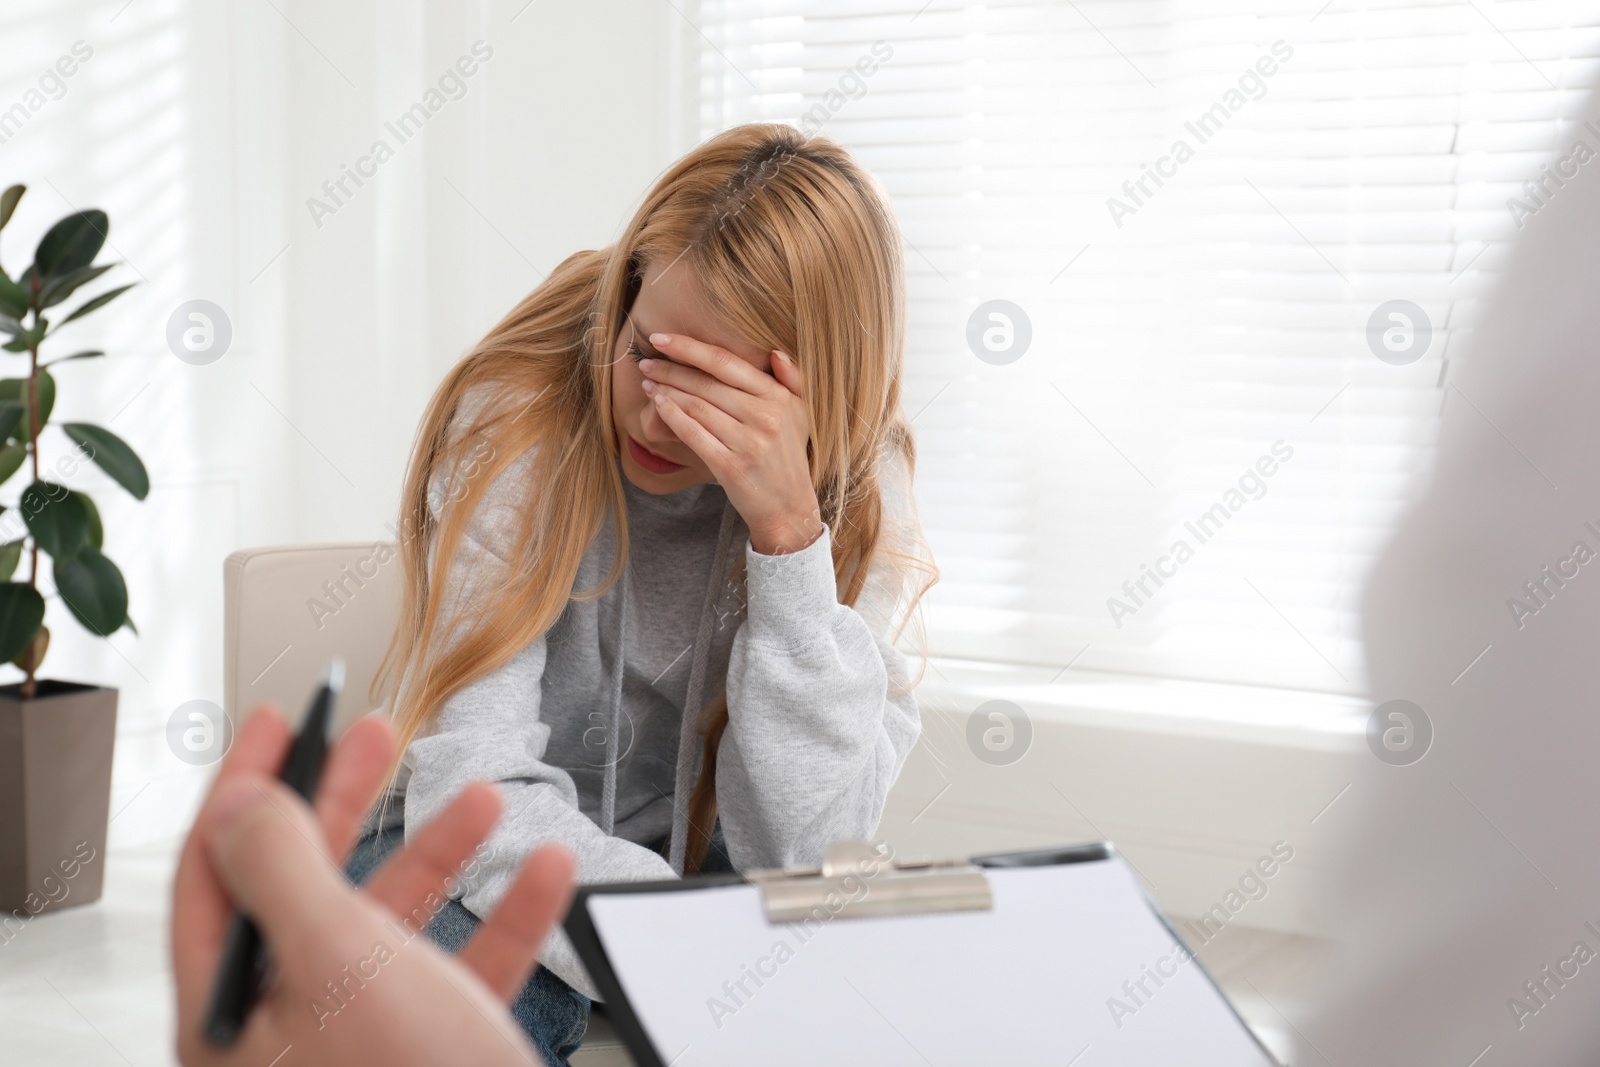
(257, 846)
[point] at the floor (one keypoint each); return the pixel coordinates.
(90, 986)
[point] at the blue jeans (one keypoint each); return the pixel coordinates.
(554, 1015)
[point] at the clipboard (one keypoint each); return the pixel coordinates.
(1056, 956)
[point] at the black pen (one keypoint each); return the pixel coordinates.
(243, 972)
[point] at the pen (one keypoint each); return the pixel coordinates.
(244, 960)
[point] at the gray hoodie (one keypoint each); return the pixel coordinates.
(585, 730)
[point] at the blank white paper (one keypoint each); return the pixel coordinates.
(1071, 967)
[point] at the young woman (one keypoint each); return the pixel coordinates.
(659, 541)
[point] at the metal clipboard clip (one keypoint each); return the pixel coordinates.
(858, 880)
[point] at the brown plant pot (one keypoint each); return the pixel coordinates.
(55, 796)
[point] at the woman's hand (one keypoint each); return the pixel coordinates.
(749, 427)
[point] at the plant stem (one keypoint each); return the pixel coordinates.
(28, 687)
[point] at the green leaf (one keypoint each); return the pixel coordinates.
(10, 556)
(93, 590)
(8, 203)
(28, 338)
(17, 389)
(57, 518)
(128, 622)
(21, 615)
(10, 326)
(58, 289)
(11, 412)
(97, 532)
(88, 353)
(11, 458)
(112, 454)
(98, 302)
(35, 650)
(71, 243)
(13, 298)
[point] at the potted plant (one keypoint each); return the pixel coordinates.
(56, 737)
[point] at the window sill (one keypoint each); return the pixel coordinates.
(1252, 714)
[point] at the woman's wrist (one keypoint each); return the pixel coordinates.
(788, 535)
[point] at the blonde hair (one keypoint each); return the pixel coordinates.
(796, 249)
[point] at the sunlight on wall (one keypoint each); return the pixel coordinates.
(121, 134)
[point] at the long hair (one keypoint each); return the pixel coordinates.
(796, 248)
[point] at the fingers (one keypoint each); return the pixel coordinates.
(505, 949)
(734, 401)
(355, 773)
(201, 908)
(258, 747)
(411, 883)
(717, 362)
(725, 427)
(788, 375)
(267, 850)
(705, 444)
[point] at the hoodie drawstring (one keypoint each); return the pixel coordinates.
(608, 793)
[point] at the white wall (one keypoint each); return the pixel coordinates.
(1193, 782)
(203, 128)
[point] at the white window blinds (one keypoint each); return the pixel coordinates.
(1199, 208)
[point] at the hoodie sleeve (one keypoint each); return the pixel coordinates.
(820, 712)
(491, 730)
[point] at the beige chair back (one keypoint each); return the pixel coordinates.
(288, 609)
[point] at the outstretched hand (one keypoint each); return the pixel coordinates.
(256, 846)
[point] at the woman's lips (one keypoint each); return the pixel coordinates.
(650, 461)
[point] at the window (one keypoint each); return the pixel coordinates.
(1247, 248)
